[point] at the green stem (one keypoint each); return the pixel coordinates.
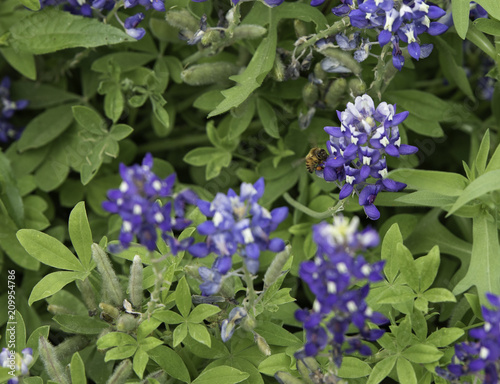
(155, 294)
(251, 295)
(173, 143)
(335, 28)
(380, 69)
(317, 215)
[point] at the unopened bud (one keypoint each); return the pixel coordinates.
(249, 324)
(229, 325)
(278, 70)
(160, 376)
(135, 282)
(126, 323)
(319, 73)
(310, 93)
(335, 92)
(286, 378)
(208, 73)
(211, 37)
(58, 310)
(53, 366)
(262, 344)
(300, 28)
(357, 87)
(248, 31)
(181, 18)
(345, 59)
(275, 269)
(111, 289)
(109, 310)
(121, 373)
(71, 345)
(88, 294)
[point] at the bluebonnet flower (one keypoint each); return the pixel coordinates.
(330, 276)
(240, 226)
(482, 355)
(477, 12)
(358, 148)
(131, 26)
(136, 201)
(8, 107)
(396, 22)
(269, 3)
(229, 325)
(16, 363)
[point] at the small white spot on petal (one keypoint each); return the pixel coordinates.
(367, 160)
(368, 312)
(351, 306)
(366, 269)
(484, 353)
(157, 185)
(331, 287)
(397, 143)
(137, 210)
(383, 173)
(341, 267)
(123, 187)
(487, 326)
(349, 179)
(159, 217)
(119, 201)
(217, 219)
(384, 141)
(247, 236)
(127, 226)
(316, 306)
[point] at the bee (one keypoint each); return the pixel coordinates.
(315, 159)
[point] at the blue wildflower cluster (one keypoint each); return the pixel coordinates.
(17, 365)
(240, 226)
(269, 3)
(136, 201)
(396, 21)
(331, 277)
(358, 147)
(481, 357)
(86, 7)
(8, 107)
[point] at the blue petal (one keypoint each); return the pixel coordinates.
(372, 212)
(198, 250)
(345, 191)
(414, 50)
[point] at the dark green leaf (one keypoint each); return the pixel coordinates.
(34, 5)
(23, 62)
(170, 361)
(80, 234)
(52, 284)
(89, 119)
(422, 354)
(126, 61)
(81, 324)
(352, 368)
(267, 116)
(77, 369)
(444, 183)
(221, 375)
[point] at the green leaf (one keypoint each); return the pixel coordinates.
(149, 343)
(481, 41)
(427, 267)
(276, 335)
(183, 297)
(120, 131)
(51, 30)
(422, 354)
(353, 368)
(169, 317)
(32, 342)
(491, 6)
(201, 312)
(426, 199)
(140, 362)
(439, 295)
(484, 263)
(407, 267)
(89, 119)
(445, 336)
(267, 116)
(77, 369)
(221, 375)
(120, 353)
(391, 240)
(200, 333)
(126, 61)
(22, 62)
(114, 103)
(80, 324)
(170, 361)
(444, 183)
(48, 250)
(272, 364)
(421, 104)
(34, 5)
(45, 127)
(53, 283)
(424, 127)
(42, 96)
(9, 192)
(406, 373)
(461, 16)
(180, 333)
(114, 339)
(80, 234)
(489, 26)
(381, 370)
(485, 183)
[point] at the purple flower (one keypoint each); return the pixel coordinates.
(136, 201)
(330, 276)
(131, 24)
(20, 363)
(240, 226)
(9, 107)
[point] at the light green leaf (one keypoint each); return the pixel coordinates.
(481, 41)
(427, 267)
(77, 369)
(439, 295)
(45, 127)
(80, 234)
(491, 6)
(48, 250)
(489, 26)
(485, 183)
(170, 361)
(22, 62)
(460, 12)
(201, 312)
(183, 297)
(444, 183)
(120, 353)
(51, 30)
(444, 336)
(276, 335)
(421, 104)
(180, 333)
(422, 354)
(406, 373)
(268, 118)
(120, 131)
(353, 368)
(114, 339)
(200, 333)
(80, 324)
(407, 267)
(484, 263)
(53, 283)
(89, 119)
(149, 343)
(272, 364)
(221, 375)
(141, 359)
(34, 5)
(168, 317)
(391, 240)
(381, 370)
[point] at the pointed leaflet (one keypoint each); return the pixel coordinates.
(52, 284)
(484, 269)
(80, 234)
(461, 16)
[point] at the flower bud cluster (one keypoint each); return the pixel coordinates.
(483, 355)
(395, 21)
(358, 147)
(86, 7)
(239, 225)
(7, 110)
(136, 201)
(16, 363)
(331, 276)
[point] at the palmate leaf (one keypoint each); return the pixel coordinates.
(485, 263)
(51, 30)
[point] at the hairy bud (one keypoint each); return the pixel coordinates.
(135, 282)
(53, 366)
(208, 73)
(111, 289)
